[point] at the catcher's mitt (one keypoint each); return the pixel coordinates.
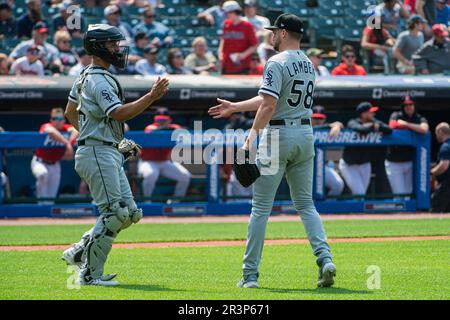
(129, 149)
(245, 172)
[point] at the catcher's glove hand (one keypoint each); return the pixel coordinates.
(129, 149)
(245, 172)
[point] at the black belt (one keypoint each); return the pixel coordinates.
(105, 143)
(283, 122)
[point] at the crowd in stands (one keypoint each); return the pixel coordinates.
(402, 37)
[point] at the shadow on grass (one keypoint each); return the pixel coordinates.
(332, 290)
(146, 287)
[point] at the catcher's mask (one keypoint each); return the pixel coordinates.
(95, 41)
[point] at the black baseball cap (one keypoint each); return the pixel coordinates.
(366, 106)
(288, 22)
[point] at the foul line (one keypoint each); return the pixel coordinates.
(226, 243)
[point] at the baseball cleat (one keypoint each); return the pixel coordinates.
(326, 275)
(250, 281)
(99, 282)
(72, 255)
(108, 277)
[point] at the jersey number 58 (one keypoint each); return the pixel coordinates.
(308, 100)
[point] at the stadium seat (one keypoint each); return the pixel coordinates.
(169, 12)
(361, 4)
(330, 64)
(277, 5)
(298, 4)
(348, 35)
(354, 23)
(170, 22)
(356, 12)
(323, 28)
(18, 11)
(303, 13)
(329, 12)
(175, 3)
(49, 12)
(336, 4)
(92, 12)
(192, 11)
(10, 43)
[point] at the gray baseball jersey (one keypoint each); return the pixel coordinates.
(286, 150)
(290, 77)
(98, 93)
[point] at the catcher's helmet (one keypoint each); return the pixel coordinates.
(94, 43)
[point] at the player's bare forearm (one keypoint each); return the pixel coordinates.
(71, 114)
(226, 108)
(56, 135)
(419, 128)
(130, 110)
(440, 168)
(262, 118)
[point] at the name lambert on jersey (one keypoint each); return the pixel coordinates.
(300, 66)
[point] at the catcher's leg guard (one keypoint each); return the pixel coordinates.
(135, 213)
(100, 241)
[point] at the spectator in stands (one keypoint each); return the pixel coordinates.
(7, 22)
(175, 61)
(4, 64)
(348, 66)
(399, 161)
(410, 6)
(141, 40)
(83, 61)
(65, 51)
(238, 41)
(265, 49)
(201, 61)
(407, 43)
(112, 15)
(256, 68)
(434, 55)
(427, 10)
(315, 55)
(333, 181)
(45, 164)
(65, 20)
(379, 43)
(48, 52)
(440, 200)
(391, 12)
(148, 65)
(442, 12)
(27, 21)
(355, 165)
(160, 35)
(214, 15)
(28, 65)
(157, 161)
(4, 182)
(258, 22)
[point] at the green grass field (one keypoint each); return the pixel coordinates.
(409, 270)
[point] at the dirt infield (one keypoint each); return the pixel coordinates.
(226, 219)
(227, 243)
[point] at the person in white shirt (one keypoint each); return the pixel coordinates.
(83, 61)
(258, 22)
(29, 65)
(315, 55)
(148, 65)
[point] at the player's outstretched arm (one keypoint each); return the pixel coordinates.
(130, 110)
(226, 108)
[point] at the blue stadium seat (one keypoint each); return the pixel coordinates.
(18, 11)
(323, 28)
(174, 3)
(354, 23)
(169, 12)
(304, 13)
(92, 12)
(329, 12)
(297, 4)
(170, 22)
(192, 11)
(277, 5)
(348, 35)
(361, 4)
(330, 4)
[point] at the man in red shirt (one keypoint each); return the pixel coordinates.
(45, 163)
(156, 161)
(238, 41)
(348, 66)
